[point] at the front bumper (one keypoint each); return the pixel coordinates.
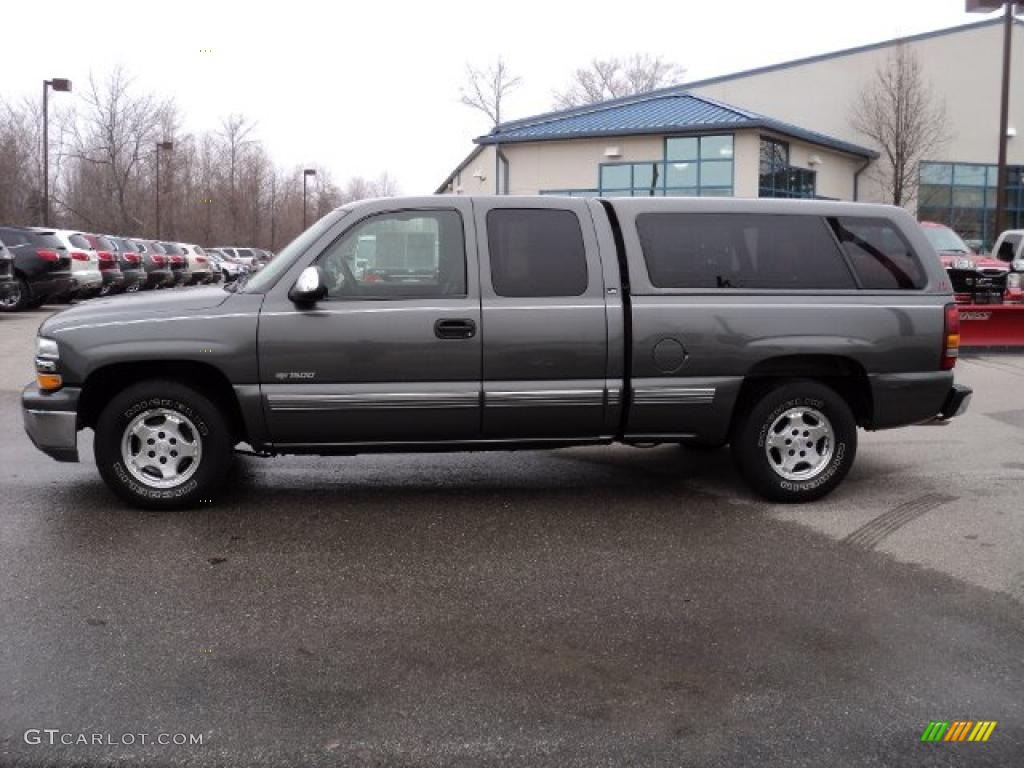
(51, 420)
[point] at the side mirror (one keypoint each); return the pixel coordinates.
(1017, 265)
(310, 287)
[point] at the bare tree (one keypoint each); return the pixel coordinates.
(485, 89)
(613, 78)
(900, 112)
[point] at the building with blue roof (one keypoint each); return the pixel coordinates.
(779, 131)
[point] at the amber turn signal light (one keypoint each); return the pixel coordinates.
(49, 381)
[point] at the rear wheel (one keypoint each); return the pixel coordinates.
(17, 299)
(796, 442)
(162, 445)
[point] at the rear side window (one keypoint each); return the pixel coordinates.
(12, 238)
(879, 254)
(79, 241)
(245, 252)
(741, 250)
(536, 252)
(47, 240)
(105, 243)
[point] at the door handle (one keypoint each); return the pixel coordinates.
(455, 329)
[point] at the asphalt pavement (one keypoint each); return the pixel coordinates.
(583, 607)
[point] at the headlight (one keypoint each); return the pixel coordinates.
(47, 357)
(1013, 281)
(47, 348)
(963, 264)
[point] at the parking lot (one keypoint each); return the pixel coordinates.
(590, 606)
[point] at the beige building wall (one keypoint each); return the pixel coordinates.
(964, 68)
(573, 164)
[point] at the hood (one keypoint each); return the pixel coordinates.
(137, 305)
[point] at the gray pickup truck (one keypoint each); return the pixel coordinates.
(457, 323)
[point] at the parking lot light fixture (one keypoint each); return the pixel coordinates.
(58, 84)
(166, 146)
(305, 176)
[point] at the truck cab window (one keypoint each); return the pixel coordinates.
(400, 255)
(536, 252)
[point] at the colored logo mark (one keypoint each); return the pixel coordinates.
(958, 730)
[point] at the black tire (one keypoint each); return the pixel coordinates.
(757, 464)
(211, 431)
(20, 301)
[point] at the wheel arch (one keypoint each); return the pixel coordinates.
(103, 383)
(845, 375)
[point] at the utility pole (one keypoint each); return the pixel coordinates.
(987, 6)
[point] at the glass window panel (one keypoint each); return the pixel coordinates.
(401, 255)
(716, 147)
(643, 175)
(934, 195)
(536, 252)
(879, 253)
(716, 174)
(681, 174)
(716, 192)
(681, 148)
(681, 192)
(726, 250)
(968, 197)
(936, 173)
(970, 175)
(616, 177)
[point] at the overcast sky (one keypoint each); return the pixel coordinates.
(364, 87)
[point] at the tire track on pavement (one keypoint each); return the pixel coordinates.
(872, 533)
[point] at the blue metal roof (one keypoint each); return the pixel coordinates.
(675, 112)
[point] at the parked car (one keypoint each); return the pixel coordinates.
(180, 266)
(198, 264)
(245, 256)
(976, 279)
(1009, 249)
(155, 262)
(229, 269)
(128, 260)
(7, 284)
(85, 266)
(42, 267)
(777, 326)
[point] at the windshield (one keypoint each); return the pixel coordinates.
(278, 265)
(945, 239)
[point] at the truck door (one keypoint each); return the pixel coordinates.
(392, 354)
(545, 336)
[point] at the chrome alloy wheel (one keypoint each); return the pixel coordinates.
(800, 443)
(161, 448)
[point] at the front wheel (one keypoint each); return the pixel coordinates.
(796, 442)
(162, 445)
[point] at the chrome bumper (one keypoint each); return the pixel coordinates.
(51, 421)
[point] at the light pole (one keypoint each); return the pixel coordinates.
(58, 84)
(166, 146)
(986, 6)
(305, 175)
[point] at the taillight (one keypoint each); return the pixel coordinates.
(79, 256)
(42, 253)
(107, 260)
(132, 258)
(200, 260)
(159, 260)
(951, 337)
